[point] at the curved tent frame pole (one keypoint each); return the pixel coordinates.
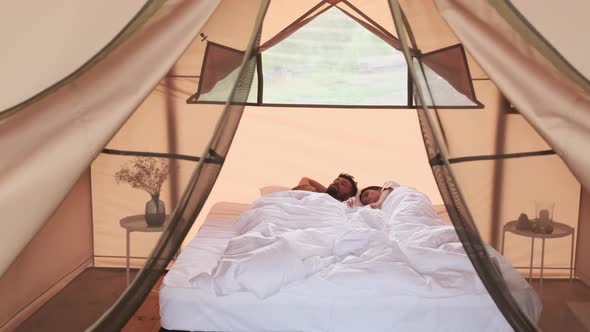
(194, 197)
(454, 202)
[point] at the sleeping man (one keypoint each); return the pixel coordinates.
(342, 188)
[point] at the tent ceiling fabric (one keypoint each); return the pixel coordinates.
(62, 133)
(521, 72)
(45, 41)
(555, 20)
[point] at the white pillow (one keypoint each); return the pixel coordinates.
(272, 189)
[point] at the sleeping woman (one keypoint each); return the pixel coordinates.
(374, 196)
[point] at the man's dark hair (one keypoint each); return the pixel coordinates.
(350, 179)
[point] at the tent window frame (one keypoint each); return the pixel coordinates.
(410, 103)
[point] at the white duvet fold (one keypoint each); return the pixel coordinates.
(291, 238)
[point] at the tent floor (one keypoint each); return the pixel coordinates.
(566, 306)
(69, 311)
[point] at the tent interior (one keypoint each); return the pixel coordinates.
(307, 88)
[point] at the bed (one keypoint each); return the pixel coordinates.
(399, 268)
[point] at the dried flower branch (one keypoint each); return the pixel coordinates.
(145, 173)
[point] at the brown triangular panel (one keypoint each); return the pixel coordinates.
(450, 63)
(219, 62)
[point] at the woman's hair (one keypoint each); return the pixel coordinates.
(368, 188)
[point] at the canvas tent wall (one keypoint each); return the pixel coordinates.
(273, 146)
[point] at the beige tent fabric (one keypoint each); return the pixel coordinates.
(51, 142)
(553, 20)
(48, 40)
(57, 253)
(511, 187)
(553, 104)
(583, 247)
(230, 25)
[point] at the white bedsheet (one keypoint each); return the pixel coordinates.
(303, 262)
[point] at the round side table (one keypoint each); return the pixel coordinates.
(559, 230)
(137, 223)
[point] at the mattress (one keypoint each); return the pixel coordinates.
(183, 307)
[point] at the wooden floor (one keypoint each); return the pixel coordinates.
(559, 297)
(80, 303)
(101, 288)
(147, 317)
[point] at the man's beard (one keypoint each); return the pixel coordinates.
(334, 192)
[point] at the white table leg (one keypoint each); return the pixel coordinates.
(127, 255)
(572, 258)
(542, 261)
(532, 252)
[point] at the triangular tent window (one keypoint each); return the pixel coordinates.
(333, 60)
(335, 57)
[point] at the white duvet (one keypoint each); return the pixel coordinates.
(295, 237)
